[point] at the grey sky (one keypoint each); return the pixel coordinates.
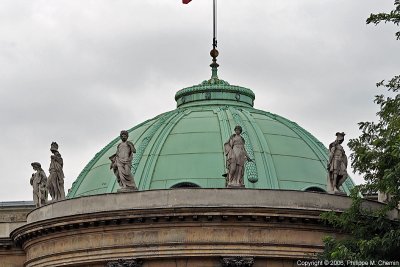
(77, 72)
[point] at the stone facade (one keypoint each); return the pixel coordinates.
(181, 227)
(12, 216)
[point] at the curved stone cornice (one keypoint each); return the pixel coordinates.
(7, 244)
(194, 198)
(178, 223)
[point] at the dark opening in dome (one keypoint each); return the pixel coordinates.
(315, 189)
(185, 185)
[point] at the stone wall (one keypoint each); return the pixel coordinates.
(12, 216)
(167, 227)
(177, 228)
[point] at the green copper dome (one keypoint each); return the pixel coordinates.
(185, 146)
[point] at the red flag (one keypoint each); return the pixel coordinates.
(186, 1)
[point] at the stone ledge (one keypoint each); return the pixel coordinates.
(165, 224)
(190, 198)
(8, 247)
(72, 224)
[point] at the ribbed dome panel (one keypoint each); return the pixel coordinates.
(186, 146)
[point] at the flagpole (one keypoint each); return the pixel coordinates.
(215, 24)
(214, 52)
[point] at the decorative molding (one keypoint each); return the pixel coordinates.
(237, 261)
(125, 263)
(220, 87)
(146, 140)
(11, 217)
(163, 131)
(27, 233)
(6, 243)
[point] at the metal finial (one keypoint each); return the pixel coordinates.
(214, 65)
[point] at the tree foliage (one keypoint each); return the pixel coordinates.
(376, 152)
(371, 235)
(376, 156)
(393, 16)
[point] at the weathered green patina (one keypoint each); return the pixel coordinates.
(185, 146)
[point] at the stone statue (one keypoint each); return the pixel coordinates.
(38, 182)
(337, 164)
(237, 261)
(236, 157)
(121, 163)
(125, 263)
(55, 183)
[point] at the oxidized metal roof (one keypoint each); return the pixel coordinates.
(185, 145)
(215, 90)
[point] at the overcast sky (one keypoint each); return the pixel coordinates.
(79, 71)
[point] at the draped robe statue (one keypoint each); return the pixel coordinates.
(236, 157)
(121, 163)
(38, 182)
(55, 183)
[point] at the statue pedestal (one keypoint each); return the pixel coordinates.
(235, 186)
(127, 189)
(339, 193)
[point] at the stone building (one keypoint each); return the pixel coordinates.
(182, 214)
